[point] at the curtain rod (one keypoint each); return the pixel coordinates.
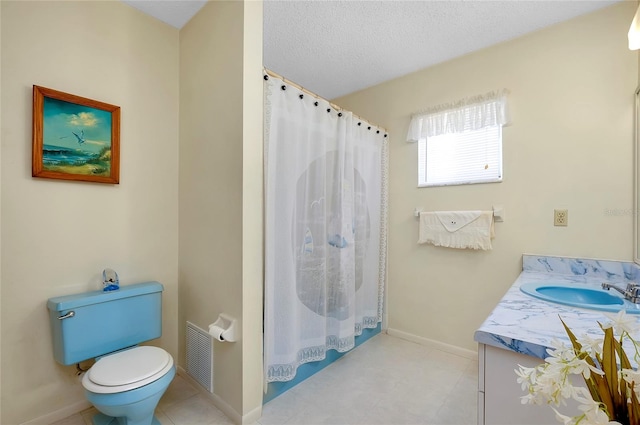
(310, 93)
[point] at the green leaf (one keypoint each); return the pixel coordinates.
(624, 360)
(610, 369)
(598, 385)
(634, 408)
(577, 347)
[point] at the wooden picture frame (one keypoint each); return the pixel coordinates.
(75, 138)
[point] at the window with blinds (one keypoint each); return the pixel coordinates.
(473, 156)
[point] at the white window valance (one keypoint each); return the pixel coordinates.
(474, 113)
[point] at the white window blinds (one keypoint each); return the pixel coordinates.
(461, 158)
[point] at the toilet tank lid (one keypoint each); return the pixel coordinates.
(87, 298)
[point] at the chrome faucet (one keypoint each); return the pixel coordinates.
(632, 293)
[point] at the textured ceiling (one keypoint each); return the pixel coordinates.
(334, 48)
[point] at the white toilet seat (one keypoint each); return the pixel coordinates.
(127, 370)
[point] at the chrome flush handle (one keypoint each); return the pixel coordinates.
(68, 315)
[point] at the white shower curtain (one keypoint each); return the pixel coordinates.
(325, 228)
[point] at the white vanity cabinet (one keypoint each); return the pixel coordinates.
(499, 393)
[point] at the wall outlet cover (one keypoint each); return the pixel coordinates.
(560, 217)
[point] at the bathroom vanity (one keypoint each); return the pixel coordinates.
(521, 327)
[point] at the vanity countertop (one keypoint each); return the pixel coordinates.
(527, 325)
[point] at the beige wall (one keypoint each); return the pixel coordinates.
(252, 214)
(220, 128)
(0, 219)
(137, 64)
(57, 236)
(570, 146)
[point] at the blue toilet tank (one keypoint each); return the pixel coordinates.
(92, 324)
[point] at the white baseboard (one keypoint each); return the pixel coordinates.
(253, 416)
(66, 411)
(224, 407)
(452, 349)
(79, 406)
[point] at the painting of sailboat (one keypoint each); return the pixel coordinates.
(75, 138)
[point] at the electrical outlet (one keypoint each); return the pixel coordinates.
(560, 217)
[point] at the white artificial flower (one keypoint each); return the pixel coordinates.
(566, 420)
(532, 398)
(591, 345)
(621, 322)
(557, 345)
(526, 376)
(550, 382)
(631, 375)
(594, 415)
(583, 396)
(633, 378)
(580, 366)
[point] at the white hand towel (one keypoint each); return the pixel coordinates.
(457, 229)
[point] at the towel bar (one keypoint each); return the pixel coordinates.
(498, 213)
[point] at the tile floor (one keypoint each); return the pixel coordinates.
(386, 381)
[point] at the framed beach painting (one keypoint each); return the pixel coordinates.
(75, 138)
